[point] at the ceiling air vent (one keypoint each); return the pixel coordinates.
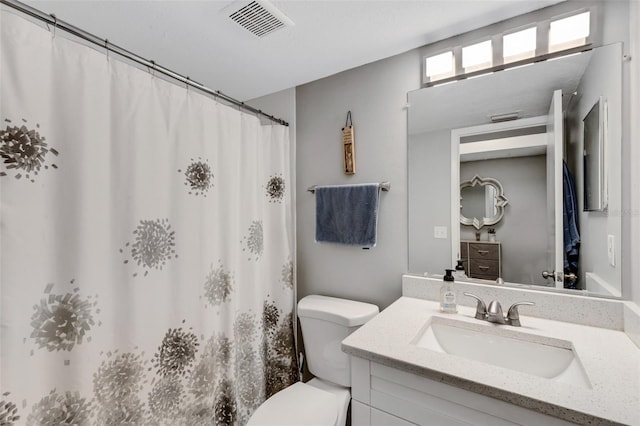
(258, 17)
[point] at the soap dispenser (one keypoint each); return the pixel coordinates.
(459, 274)
(448, 295)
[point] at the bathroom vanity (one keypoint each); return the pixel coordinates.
(393, 397)
(414, 365)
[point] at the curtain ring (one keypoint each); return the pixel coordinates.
(152, 69)
(55, 25)
(106, 48)
(186, 83)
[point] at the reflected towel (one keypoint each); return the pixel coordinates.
(347, 214)
(570, 221)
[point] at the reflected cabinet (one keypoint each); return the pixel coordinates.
(482, 259)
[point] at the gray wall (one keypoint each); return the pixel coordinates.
(376, 95)
(599, 80)
(280, 105)
(523, 229)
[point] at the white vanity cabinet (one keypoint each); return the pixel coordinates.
(386, 396)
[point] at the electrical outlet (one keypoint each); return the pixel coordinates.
(440, 232)
(611, 249)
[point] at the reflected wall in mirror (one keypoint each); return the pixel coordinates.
(482, 202)
(534, 157)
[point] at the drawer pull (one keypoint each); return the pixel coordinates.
(484, 268)
(483, 251)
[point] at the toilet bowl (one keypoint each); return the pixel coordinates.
(312, 403)
(324, 400)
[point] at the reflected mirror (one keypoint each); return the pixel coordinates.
(537, 157)
(594, 190)
(482, 202)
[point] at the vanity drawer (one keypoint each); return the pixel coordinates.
(484, 251)
(488, 268)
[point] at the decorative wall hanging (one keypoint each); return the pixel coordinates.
(349, 145)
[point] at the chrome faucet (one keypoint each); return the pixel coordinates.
(494, 314)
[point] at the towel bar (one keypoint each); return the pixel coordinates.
(385, 186)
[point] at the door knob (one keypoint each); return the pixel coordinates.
(571, 277)
(552, 275)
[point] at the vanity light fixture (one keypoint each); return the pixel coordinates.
(497, 118)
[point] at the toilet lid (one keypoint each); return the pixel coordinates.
(297, 405)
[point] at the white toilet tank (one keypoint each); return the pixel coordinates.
(326, 322)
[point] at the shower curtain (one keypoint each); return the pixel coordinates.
(146, 244)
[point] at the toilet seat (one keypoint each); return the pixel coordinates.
(298, 405)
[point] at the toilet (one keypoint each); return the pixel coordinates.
(324, 400)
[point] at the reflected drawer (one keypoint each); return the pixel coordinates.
(464, 250)
(484, 251)
(487, 268)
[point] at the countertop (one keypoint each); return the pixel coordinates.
(609, 358)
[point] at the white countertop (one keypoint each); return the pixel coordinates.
(609, 358)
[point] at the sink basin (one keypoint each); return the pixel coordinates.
(544, 357)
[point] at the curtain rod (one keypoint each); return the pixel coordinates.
(150, 64)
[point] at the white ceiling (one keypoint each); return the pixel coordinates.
(195, 39)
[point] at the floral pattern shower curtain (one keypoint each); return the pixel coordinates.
(146, 243)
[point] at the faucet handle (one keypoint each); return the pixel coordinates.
(513, 316)
(481, 308)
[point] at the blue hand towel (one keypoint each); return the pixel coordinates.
(570, 220)
(347, 214)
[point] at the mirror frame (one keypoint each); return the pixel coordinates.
(500, 202)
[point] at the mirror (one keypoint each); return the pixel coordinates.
(594, 190)
(534, 157)
(482, 202)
